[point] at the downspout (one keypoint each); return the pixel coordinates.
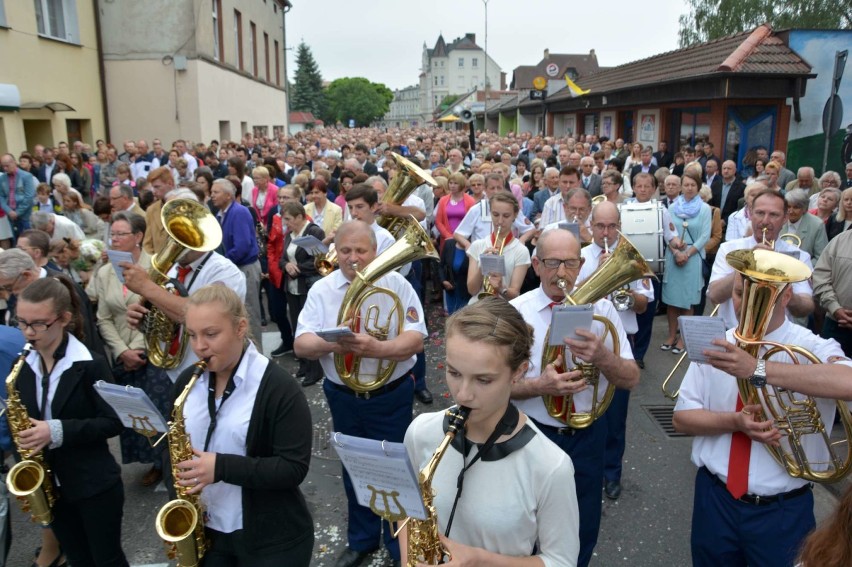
(286, 8)
(101, 69)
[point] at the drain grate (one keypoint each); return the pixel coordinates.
(662, 416)
(322, 445)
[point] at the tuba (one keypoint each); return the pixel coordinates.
(180, 522)
(487, 289)
(29, 480)
(624, 266)
(408, 178)
(765, 276)
(424, 541)
(412, 244)
(190, 226)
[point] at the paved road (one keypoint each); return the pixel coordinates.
(647, 527)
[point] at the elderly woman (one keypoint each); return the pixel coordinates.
(829, 180)
(81, 214)
(683, 277)
(843, 219)
(264, 194)
(61, 186)
(127, 346)
(801, 223)
(611, 183)
(826, 204)
(325, 214)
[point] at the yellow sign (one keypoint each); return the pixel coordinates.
(540, 83)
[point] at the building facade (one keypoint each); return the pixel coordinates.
(50, 84)
(455, 68)
(195, 69)
(404, 109)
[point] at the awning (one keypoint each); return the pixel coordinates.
(449, 118)
(10, 97)
(54, 106)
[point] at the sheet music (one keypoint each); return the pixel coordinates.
(116, 257)
(133, 407)
(334, 334)
(566, 319)
(492, 264)
(698, 334)
(382, 475)
(311, 244)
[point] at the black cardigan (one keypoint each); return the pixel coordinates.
(307, 270)
(278, 454)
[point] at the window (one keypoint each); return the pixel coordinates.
(238, 38)
(277, 64)
(3, 23)
(474, 62)
(217, 31)
(436, 80)
(442, 80)
(461, 62)
(266, 53)
(57, 19)
(253, 48)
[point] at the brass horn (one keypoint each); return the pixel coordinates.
(625, 265)
(412, 244)
(765, 276)
(791, 238)
(326, 263)
(408, 178)
(190, 227)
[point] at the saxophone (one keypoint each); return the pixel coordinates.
(180, 523)
(424, 541)
(28, 480)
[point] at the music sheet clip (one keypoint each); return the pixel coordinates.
(134, 408)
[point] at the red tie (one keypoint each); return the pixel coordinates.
(183, 271)
(738, 460)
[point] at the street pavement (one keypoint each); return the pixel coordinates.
(648, 526)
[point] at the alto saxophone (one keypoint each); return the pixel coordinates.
(28, 480)
(180, 523)
(424, 541)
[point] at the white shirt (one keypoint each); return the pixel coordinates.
(384, 239)
(704, 387)
(553, 210)
(722, 269)
(64, 227)
(738, 224)
(248, 185)
(323, 305)
(224, 502)
(476, 223)
(592, 254)
(74, 351)
(534, 307)
(217, 269)
(191, 163)
(514, 254)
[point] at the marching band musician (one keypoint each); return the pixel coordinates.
(516, 472)
(71, 424)
(558, 257)
(250, 427)
(504, 211)
(747, 509)
(768, 212)
(577, 207)
(383, 413)
(476, 223)
(606, 222)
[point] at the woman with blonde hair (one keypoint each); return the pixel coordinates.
(75, 209)
(843, 218)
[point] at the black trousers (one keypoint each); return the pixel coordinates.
(230, 550)
(89, 530)
(295, 303)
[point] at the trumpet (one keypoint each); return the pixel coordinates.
(765, 242)
(487, 288)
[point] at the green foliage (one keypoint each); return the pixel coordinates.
(711, 19)
(356, 98)
(306, 93)
(448, 101)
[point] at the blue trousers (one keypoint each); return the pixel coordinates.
(645, 323)
(586, 449)
(384, 417)
(616, 422)
(735, 534)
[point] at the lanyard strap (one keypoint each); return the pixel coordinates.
(506, 425)
(211, 399)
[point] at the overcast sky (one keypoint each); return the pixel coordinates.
(382, 40)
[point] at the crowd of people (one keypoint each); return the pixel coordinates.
(517, 222)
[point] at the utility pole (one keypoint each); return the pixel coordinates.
(487, 82)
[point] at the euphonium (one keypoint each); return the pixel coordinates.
(190, 226)
(30, 479)
(625, 265)
(765, 276)
(622, 299)
(180, 522)
(408, 178)
(424, 541)
(412, 244)
(326, 263)
(487, 288)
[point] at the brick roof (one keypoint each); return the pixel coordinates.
(756, 51)
(302, 118)
(584, 63)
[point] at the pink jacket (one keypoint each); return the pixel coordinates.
(271, 200)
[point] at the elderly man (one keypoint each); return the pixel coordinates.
(550, 189)
(17, 193)
(109, 172)
(805, 178)
(727, 193)
(121, 200)
(239, 245)
(833, 290)
(144, 162)
(58, 227)
(809, 228)
(569, 179)
(590, 180)
(785, 176)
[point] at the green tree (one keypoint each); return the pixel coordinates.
(711, 19)
(306, 94)
(358, 99)
(448, 101)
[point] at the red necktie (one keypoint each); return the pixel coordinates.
(182, 272)
(738, 460)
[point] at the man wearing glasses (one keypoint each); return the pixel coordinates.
(558, 258)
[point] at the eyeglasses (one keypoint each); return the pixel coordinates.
(553, 263)
(10, 287)
(38, 326)
(119, 234)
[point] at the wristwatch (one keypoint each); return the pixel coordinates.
(758, 379)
